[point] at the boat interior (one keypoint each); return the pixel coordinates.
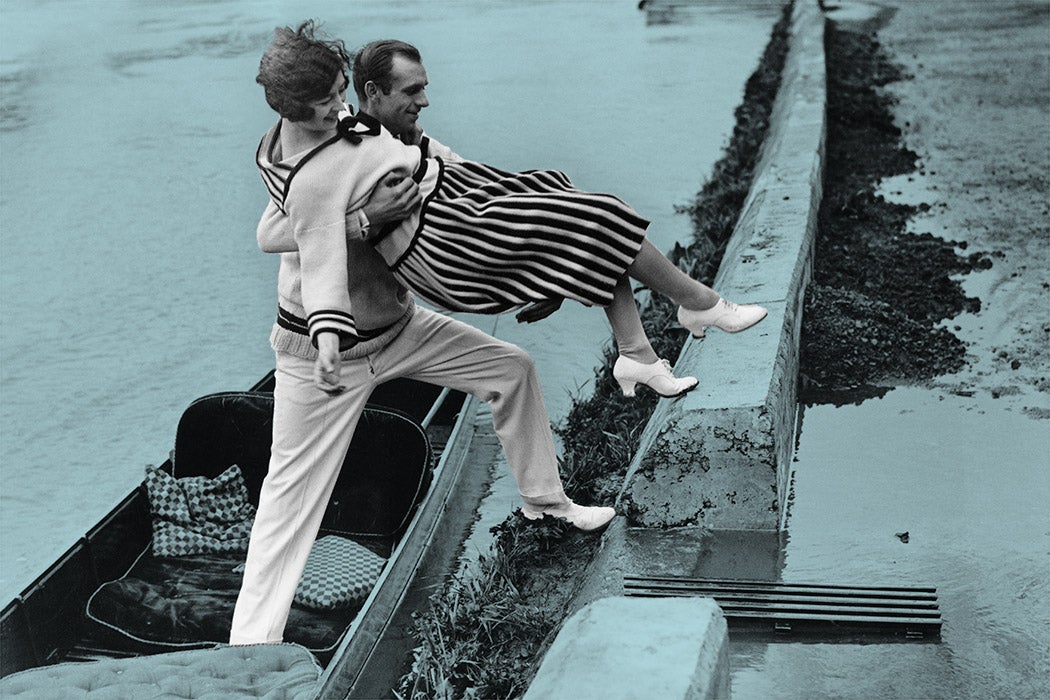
(112, 596)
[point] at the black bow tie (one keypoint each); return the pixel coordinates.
(350, 127)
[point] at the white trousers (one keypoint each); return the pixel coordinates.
(312, 430)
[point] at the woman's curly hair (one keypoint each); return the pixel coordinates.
(299, 68)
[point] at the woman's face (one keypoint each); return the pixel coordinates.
(326, 109)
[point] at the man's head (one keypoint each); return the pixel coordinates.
(390, 83)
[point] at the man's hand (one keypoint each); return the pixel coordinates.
(393, 199)
(539, 310)
(327, 364)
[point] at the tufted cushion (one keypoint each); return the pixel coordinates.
(198, 515)
(339, 573)
(255, 671)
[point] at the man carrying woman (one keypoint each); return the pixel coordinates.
(346, 324)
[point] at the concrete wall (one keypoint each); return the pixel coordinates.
(638, 649)
(720, 455)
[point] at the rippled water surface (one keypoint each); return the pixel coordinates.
(130, 282)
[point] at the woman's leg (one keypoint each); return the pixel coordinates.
(638, 362)
(631, 340)
(699, 306)
(654, 270)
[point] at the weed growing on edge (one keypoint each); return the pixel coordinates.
(486, 632)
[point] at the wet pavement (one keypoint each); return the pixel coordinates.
(962, 463)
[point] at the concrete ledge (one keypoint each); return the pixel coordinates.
(638, 648)
(720, 455)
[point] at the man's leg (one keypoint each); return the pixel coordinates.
(440, 350)
(311, 432)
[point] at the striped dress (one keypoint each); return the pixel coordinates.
(489, 241)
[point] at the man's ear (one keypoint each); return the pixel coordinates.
(371, 89)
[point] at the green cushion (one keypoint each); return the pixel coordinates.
(198, 515)
(339, 573)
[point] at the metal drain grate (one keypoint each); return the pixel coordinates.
(908, 611)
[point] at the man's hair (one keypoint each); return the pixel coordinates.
(374, 62)
(299, 68)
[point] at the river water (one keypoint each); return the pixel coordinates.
(130, 282)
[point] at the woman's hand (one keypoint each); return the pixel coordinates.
(327, 364)
(538, 310)
(393, 199)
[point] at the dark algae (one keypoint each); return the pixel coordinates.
(485, 634)
(879, 293)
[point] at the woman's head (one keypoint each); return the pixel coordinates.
(299, 68)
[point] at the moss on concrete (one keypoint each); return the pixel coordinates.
(879, 292)
(486, 632)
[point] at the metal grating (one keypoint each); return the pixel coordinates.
(909, 611)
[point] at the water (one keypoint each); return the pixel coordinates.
(961, 465)
(973, 502)
(130, 283)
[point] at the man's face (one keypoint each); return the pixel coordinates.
(399, 110)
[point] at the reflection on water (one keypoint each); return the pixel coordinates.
(974, 504)
(129, 276)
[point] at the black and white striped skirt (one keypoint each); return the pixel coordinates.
(492, 241)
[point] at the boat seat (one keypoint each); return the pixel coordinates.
(385, 473)
(162, 603)
(254, 671)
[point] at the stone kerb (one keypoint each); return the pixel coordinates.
(720, 455)
(633, 648)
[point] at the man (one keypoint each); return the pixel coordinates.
(390, 82)
(321, 391)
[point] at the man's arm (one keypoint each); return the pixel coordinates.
(431, 147)
(536, 311)
(393, 199)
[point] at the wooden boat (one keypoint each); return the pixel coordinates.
(406, 457)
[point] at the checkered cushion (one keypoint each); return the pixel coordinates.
(198, 515)
(339, 573)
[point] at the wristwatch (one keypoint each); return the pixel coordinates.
(362, 222)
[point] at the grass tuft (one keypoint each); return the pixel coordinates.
(485, 633)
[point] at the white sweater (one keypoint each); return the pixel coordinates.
(306, 219)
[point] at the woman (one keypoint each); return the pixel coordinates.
(483, 240)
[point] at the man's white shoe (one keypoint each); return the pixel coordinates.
(586, 518)
(730, 317)
(657, 376)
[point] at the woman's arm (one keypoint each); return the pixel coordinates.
(327, 368)
(274, 232)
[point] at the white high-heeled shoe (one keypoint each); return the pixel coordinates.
(586, 518)
(730, 317)
(658, 376)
